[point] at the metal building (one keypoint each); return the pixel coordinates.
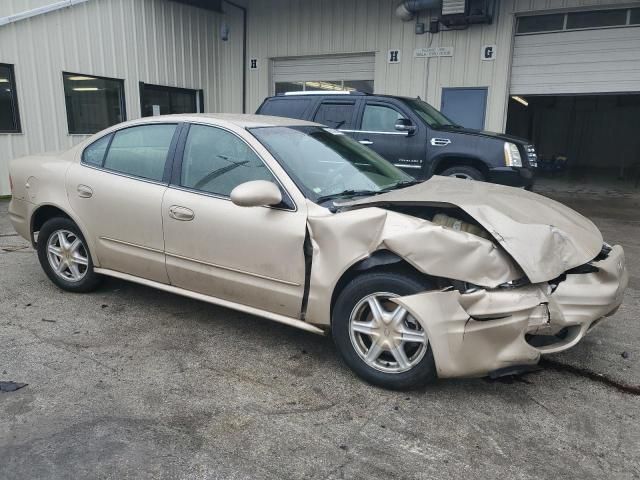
(564, 73)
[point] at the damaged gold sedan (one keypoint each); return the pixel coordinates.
(300, 224)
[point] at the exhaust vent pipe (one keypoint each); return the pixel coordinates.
(408, 8)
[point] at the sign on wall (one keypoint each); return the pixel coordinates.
(488, 52)
(433, 52)
(253, 64)
(393, 56)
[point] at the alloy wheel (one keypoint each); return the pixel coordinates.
(385, 335)
(67, 255)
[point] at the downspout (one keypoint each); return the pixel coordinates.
(408, 8)
(39, 11)
(244, 53)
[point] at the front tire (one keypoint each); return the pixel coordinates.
(464, 172)
(65, 257)
(379, 340)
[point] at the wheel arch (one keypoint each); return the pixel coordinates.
(447, 161)
(378, 260)
(47, 211)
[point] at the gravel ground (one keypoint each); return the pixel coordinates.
(132, 382)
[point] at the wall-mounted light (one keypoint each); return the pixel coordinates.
(78, 78)
(224, 32)
(520, 100)
(86, 89)
(4, 80)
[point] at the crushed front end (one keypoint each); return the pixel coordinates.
(492, 331)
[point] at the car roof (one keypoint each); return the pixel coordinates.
(237, 119)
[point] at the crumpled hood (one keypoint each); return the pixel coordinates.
(544, 237)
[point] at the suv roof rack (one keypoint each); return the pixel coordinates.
(321, 92)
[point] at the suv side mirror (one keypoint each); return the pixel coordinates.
(257, 193)
(405, 125)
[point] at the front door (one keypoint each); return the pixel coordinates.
(248, 255)
(116, 191)
(378, 132)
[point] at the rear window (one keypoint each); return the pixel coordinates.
(286, 107)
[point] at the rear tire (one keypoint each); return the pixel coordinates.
(465, 173)
(65, 258)
(383, 357)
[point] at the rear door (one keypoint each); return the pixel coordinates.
(116, 191)
(376, 130)
(339, 114)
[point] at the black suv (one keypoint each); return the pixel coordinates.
(413, 135)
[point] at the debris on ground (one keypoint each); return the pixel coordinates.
(48, 320)
(625, 355)
(11, 386)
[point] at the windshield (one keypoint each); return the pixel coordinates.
(327, 165)
(433, 117)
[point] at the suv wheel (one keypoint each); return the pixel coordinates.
(65, 257)
(464, 172)
(380, 340)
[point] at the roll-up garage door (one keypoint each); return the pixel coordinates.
(577, 62)
(326, 68)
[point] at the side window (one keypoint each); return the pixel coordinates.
(291, 108)
(335, 115)
(141, 151)
(94, 153)
(216, 161)
(377, 118)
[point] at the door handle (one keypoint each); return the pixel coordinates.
(182, 214)
(365, 142)
(84, 191)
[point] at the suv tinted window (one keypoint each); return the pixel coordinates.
(335, 115)
(217, 161)
(377, 118)
(292, 108)
(141, 151)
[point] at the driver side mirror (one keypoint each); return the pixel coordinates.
(405, 125)
(257, 193)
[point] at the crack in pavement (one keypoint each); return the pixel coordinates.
(591, 375)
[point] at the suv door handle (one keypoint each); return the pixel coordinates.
(182, 214)
(365, 142)
(84, 191)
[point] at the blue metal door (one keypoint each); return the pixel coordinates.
(465, 106)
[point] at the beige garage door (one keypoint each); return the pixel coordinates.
(577, 62)
(328, 72)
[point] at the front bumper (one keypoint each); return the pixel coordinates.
(512, 176)
(474, 334)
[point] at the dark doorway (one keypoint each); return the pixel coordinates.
(582, 135)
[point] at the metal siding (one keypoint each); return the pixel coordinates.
(295, 28)
(151, 41)
(588, 61)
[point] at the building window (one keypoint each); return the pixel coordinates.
(159, 100)
(9, 116)
(581, 20)
(598, 19)
(365, 86)
(93, 103)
